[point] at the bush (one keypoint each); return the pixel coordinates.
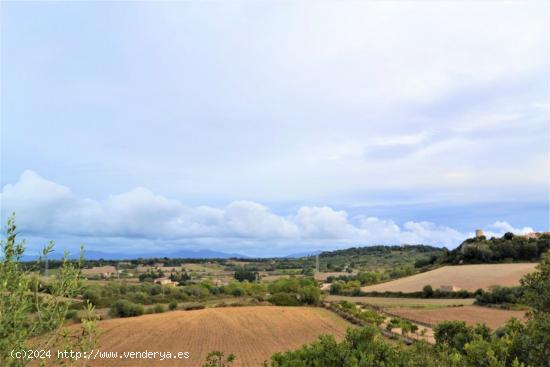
(125, 308)
(173, 305)
(159, 309)
(284, 299)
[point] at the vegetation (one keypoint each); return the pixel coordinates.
(427, 292)
(508, 248)
(243, 274)
(457, 344)
(25, 315)
(218, 359)
(125, 308)
(500, 296)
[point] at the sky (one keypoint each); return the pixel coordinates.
(267, 128)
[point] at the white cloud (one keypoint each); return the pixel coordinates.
(44, 208)
(500, 227)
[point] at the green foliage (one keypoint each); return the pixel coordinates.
(173, 305)
(243, 274)
(26, 313)
(125, 308)
(218, 359)
(454, 334)
(427, 291)
(284, 299)
(181, 277)
(151, 275)
(537, 295)
(502, 296)
(506, 249)
(159, 308)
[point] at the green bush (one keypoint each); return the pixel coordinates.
(284, 299)
(125, 308)
(173, 305)
(159, 309)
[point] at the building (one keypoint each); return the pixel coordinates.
(165, 281)
(479, 233)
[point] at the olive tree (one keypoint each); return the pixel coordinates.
(34, 320)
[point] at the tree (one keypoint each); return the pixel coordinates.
(26, 313)
(427, 291)
(508, 236)
(537, 295)
(243, 274)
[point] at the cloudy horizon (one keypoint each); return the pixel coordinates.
(273, 128)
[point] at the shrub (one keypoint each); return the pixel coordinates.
(125, 308)
(173, 305)
(284, 299)
(159, 309)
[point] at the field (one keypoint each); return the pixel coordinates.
(252, 333)
(470, 314)
(390, 302)
(469, 277)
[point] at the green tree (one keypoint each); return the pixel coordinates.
(427, 291)
(537, 295)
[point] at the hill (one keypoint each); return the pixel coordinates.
(381, 257)
(468, 277)
(508, 248)
(253, 334)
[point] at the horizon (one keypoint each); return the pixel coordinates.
(269, 129)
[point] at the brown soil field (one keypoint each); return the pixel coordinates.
(470, 314)
(469, 277)
(389, 302)
(253, 334)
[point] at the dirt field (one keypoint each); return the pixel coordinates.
(389, 302)
(470, 314)
(253, 334)
(469, 277)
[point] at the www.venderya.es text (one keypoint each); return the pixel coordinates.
(94, 354)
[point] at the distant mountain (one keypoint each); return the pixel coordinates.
(186, 254)
(303, 254)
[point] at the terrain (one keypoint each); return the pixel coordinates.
(253, 334)
(468, 277)
(470, 314)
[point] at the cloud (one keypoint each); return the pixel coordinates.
(47, 209)
(500, 227)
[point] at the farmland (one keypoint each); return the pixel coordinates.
(468, 277)
(253, 334)
(470, 314)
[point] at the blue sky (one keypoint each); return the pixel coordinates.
(273, 127)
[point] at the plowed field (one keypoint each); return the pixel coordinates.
(253, 334)
(469, 277)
